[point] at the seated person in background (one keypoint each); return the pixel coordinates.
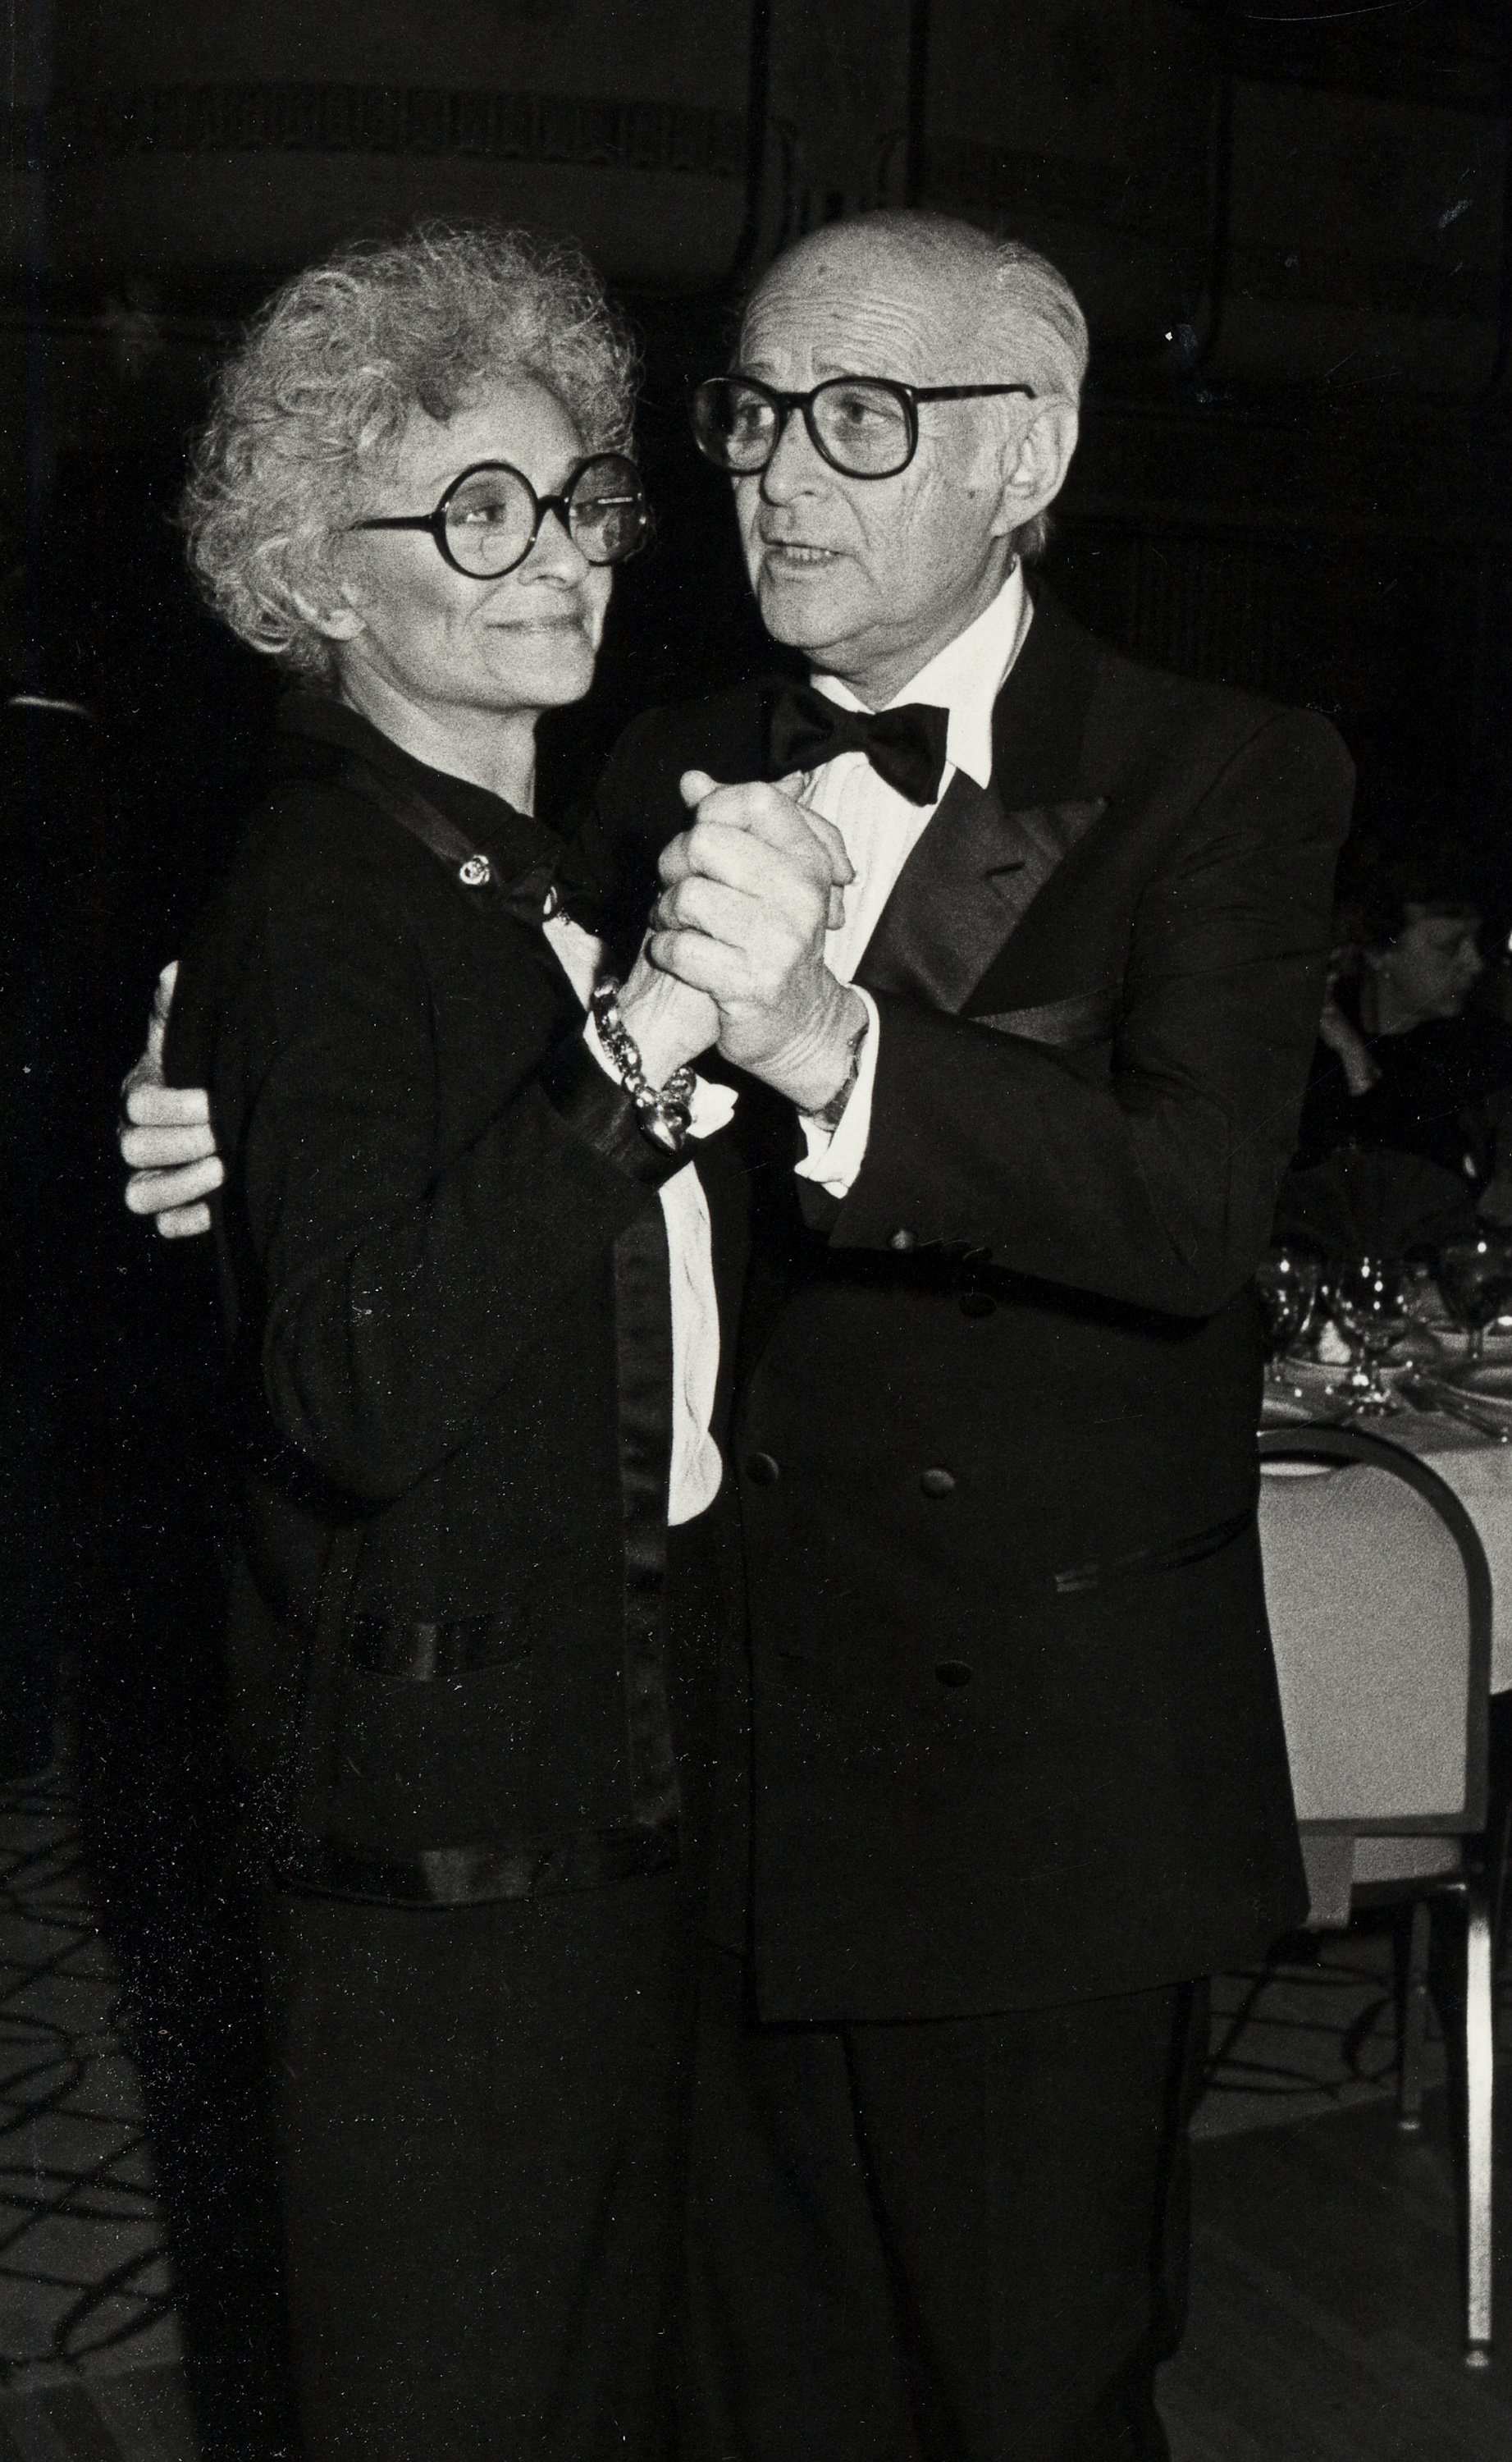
(1403, 1060)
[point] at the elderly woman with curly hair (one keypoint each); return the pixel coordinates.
(466, 1270)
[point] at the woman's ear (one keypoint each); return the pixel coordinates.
(339, 623)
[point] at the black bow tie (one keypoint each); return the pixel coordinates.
(906, 746)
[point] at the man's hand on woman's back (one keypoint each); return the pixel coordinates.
(165, 1136)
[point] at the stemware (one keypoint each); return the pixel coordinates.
(1286, 1290)
(1474, 1282)
(1366, 1298)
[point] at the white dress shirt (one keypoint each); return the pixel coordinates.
(880, 830)
(695, 1464)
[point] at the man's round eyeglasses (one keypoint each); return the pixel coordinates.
(489, 517)
(867, 427)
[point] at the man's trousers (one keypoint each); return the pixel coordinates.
(941, 2241)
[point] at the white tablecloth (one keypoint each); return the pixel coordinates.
(1480, 1471)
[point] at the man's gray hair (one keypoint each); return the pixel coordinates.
(330, 371)
(1021, 307)
(1017, 293)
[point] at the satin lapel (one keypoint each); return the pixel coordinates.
(973, 874)
(952, 905)
(1047, 832)
(979, 866)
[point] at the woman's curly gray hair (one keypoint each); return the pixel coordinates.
(329, 372)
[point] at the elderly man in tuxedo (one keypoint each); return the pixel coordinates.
(1016, 1100)
(1018, 1771)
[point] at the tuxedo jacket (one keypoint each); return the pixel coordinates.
(445, 1278)
(1016, 1735)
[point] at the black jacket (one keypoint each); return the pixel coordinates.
(1016, 1731)
(445, 1274)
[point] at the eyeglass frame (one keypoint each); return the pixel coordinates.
(908, 396)
(559, 503)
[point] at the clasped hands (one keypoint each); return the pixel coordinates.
(749, 892)
(735, 955)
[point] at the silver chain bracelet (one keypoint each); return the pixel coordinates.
(662, 1112)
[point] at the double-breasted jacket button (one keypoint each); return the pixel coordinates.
(903, 1240)
(937, 1482)
(763, 1470)
(952, 1674)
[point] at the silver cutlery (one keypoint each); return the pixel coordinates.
(1430, 1394)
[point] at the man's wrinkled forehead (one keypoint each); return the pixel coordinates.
(851, 310)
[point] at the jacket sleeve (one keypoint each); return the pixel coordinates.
(401, 1290)
(1151, 1181)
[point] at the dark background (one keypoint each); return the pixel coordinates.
(1290, 225)
(1287, 221)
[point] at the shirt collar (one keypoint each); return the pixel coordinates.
(964, 678)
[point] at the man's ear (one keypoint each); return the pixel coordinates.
(1034, 462)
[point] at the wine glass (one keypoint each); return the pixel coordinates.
(1474, 1282)
(1366, 1298)
(1286, 1290)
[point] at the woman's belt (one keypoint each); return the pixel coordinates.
(422, 1651)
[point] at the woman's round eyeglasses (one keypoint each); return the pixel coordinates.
(866, 427)
(489, 517)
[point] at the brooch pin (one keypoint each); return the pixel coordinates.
(475, 872)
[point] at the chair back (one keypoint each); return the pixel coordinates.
(1379, 1600)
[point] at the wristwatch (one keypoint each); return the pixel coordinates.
(830, 1114)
